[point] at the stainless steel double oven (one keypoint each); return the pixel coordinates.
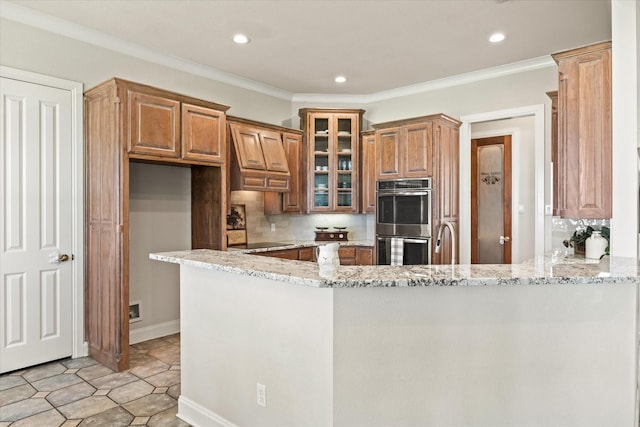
(404, 212)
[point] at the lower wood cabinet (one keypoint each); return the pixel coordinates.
(349, 255)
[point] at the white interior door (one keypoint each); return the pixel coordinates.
(37, 231)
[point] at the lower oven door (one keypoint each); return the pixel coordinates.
(415, 250)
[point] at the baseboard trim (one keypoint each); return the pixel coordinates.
(198, 416)
(154, 331)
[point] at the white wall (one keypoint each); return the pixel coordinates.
(539, 355)
(257, 331)
(624, 222)
(522, 130)
(159, 221)
(36, 50)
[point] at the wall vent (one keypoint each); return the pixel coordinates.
(135, 313)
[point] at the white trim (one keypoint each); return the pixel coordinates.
(443, 83)
(72, 30)
(197, 415)
(515, 183)
(24, 15)
(465, 173)
(154, 331)
(77, 146)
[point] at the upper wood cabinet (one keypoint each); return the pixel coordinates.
(368, 172)
(258, 160)
(164, 125)
(404, 149)
(584, 132)
(126, 121)
(332, 147)
(154, 125)
(203, 134)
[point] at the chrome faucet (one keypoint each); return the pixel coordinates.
(452, 230)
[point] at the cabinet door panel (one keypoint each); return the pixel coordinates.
(248, 147)
(417, 158)
(368, 178)
(154, 125)
(202, 134)
(293, 201)
(388, 153)
(274, 156)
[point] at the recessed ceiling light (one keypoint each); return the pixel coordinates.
(340, 79)
(496, 37)
(241, 39)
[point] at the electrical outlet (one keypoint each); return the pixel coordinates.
(261, 395)
(273, 227)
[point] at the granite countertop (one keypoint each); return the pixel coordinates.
(298, 244)
(550, 270)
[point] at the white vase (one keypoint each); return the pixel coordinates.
(595, 245)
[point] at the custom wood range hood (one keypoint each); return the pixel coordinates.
(257, 157)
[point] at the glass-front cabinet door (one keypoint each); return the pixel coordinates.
(333, 146)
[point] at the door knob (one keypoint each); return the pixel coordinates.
(57, 257)
(504, 239)
(63, 257)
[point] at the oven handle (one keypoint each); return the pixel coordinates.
(420, 241)
(405, 193)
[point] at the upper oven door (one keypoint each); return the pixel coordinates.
(413, 213)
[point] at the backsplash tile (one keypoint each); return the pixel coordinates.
(563, 228)
(297, 227)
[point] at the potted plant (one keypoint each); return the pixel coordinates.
(578, 239)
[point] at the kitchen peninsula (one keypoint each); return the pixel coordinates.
(550, 342)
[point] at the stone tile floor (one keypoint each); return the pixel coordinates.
(82, 392)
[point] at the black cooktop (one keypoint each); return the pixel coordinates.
(261, 245)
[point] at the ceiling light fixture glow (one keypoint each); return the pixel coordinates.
(241, 39)
(340, 79)
(496, 37)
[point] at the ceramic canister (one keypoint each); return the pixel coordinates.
(595, 245)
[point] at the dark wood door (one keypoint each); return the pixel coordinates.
(491, 200)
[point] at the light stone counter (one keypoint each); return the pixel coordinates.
(547, 270)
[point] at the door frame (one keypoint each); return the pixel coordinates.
(80, 347)
(537, 111)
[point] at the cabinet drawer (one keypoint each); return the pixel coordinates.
(253, 183)
(277, 184)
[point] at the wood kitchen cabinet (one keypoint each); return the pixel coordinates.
(332, 151)
(584, 147)
(299, 254)
(257, 157)
(126, 121)
(368, 172)
(356, 255)
(424, 147)
(161, 126)
(293, 201)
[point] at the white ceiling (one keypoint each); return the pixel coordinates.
(300, 46)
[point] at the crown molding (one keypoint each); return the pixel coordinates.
(443, 83)
(24, 15)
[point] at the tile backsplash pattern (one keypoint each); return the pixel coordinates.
(563, 228)
(289, 227)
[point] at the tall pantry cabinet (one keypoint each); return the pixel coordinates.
(126, 121)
